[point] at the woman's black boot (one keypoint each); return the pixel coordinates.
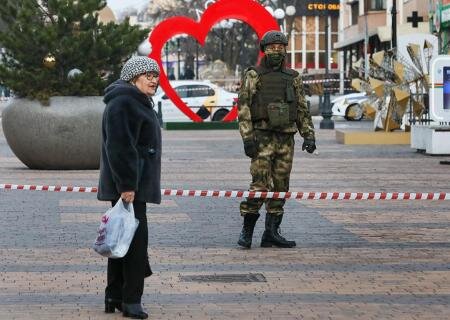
(112, 304)
(134, 311)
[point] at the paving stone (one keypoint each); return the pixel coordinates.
(354, 259)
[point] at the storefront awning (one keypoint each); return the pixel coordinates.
(347, 42)
(384, 34)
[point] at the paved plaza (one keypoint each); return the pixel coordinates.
(354, 259)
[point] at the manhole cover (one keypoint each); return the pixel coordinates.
(253, 277)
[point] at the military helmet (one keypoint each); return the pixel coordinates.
(272, 37)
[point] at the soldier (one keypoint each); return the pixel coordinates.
(272, 107)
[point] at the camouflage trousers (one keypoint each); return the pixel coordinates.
(270, 170)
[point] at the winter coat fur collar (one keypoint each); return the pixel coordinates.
(123, 88)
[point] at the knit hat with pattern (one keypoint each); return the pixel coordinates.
(136, 66)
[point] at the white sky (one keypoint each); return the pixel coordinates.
(119, 5)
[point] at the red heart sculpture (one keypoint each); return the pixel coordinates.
(249, 11)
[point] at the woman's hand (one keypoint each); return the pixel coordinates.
(127, 196)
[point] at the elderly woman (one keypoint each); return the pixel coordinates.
(130, 169)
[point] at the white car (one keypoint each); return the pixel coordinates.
(349, 106)
(209, 101)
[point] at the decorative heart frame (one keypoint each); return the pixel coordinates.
(249, 11)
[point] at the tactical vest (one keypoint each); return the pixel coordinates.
(275, 86)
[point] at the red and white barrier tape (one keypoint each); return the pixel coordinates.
(47, 188)
(323, 80)
(257, 194)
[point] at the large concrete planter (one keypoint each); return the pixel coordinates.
(63, 136)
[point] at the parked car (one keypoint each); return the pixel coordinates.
(209, 101)
(350, 106)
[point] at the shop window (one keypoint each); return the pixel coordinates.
(288, 60)
(310, 24)
(310, 60)
(322, 43)
(297, 61)
(322, 23)
(298, 24)
(322, 39)
(334, 59)
(377, 5)
(334, 24)
(298, 41)
(334, 56)
(334, 39)
(321, 60)
(311, 41)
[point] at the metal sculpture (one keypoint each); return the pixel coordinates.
(397, 86)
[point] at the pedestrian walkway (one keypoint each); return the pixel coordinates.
(354, 260)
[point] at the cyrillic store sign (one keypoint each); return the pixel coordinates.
(317, 8)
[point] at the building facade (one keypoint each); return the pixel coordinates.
(440, 23)
(365, 26)
(307, 43)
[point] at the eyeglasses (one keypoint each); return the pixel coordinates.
(151, 75)
(275, 47)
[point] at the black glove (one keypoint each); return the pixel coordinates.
(250, 148)
(309, 145)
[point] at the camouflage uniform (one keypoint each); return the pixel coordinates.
(271, 168)
(272, 108)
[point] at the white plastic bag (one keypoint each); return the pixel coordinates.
(116, 231)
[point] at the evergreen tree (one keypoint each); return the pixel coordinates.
(44, 39)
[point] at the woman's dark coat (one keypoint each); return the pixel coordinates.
(131, 145)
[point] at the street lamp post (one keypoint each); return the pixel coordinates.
(166, 51)
(178, 57)
(326, 122)
(281, 14)
(220, 31)
(366, 43)
(394, 24)
(196, 60)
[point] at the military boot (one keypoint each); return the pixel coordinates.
(245, 238)
(271, 236)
